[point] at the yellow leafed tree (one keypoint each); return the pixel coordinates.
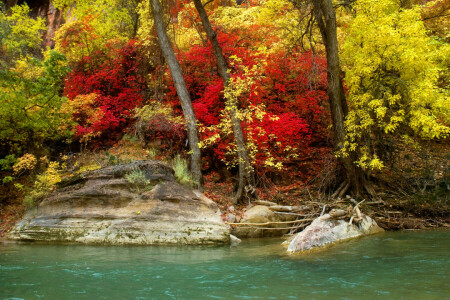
(391, 73)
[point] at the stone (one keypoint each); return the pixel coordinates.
(261, 214)
(230, 218)
(102, 207)
(325, 231)
(234, 241)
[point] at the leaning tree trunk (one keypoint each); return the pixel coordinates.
(326, 20)
(183, 94)
(246, 184)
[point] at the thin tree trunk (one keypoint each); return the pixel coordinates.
(183, 94)
(246, 184)
(326, 20)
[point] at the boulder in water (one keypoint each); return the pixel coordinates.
(325, 231)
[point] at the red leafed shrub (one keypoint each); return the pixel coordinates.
(114, 77)
(157, 125)
(290, 93)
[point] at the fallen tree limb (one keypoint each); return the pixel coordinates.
(279, 228)
(264, 202)
(269, 223)
(283, 208)
(294, 214)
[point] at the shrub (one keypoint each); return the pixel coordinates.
(138, 180)
(44, 184)
(113, 77)
(182, 174)
(281, 102)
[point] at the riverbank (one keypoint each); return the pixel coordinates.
(390, 214)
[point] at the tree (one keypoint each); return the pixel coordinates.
(324, 15)
(391, 70)
(246, 183)
(93, 25)
(183, 94)
(391, 86)
(30, 87)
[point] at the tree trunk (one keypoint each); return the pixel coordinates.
(326, 20)
(246, 186)
(183, 94)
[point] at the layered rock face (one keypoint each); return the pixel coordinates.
(103, 207)
(325, 231)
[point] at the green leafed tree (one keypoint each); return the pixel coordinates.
(30, 87)
(19, 34)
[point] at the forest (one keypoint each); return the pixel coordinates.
(276, 100)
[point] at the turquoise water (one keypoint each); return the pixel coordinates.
(398, 265)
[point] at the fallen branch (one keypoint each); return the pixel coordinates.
(279, 228)
(287, 208)
(323, 210)
(264, 202)
(269, 223)
(294, 214)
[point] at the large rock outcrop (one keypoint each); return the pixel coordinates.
(103, 207)
(325, 231)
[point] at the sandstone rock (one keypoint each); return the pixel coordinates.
(261, 214)
(325, 231)
(102, 207)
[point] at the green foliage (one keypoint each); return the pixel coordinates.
(19, 34)
(182, 174)
(93, 24)
(138, 179)
(7, 179)
(7, 162)
(113, 160)
(31, 102)
(152, 153)
(391, 73)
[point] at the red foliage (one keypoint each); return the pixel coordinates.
(170, 136)
(292, 88)
(113, 75)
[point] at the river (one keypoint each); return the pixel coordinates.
(393, 265)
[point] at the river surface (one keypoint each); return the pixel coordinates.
(395, 265)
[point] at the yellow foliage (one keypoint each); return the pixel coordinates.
(91, 167)
(19, 32)
(86, 113)
(238, 88)
(276, 20)
(91, 25)
(391, 69)
(46, 182)
(155, 108)
(25, 163)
